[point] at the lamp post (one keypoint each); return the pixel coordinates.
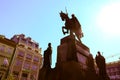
(11, 59)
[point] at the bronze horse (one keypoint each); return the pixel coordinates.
(72, 26)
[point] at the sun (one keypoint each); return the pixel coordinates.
(108, 19)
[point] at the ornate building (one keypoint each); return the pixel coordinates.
(27, 59)
(113, 70)
(7, 48)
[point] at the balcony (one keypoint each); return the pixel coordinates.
(3, 68)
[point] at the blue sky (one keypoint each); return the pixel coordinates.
(40, 20)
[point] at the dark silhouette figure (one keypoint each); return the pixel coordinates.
(74, 20)
(100, 61)
(45, 71)
(47, 56)
(71, 25)
(90, 73)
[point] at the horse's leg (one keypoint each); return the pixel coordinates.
(63, 30)
(77, 35)
(66, 31)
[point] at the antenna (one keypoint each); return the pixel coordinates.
(66, 10)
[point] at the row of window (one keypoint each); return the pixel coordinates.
(28, 56)
(5, 49)
(114, 73)
(114, 77)
(113, 69)
(24, 76)
(26, 65)
(29, 43)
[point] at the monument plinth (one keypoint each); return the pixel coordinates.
(73, 59)
(71, 49)
(66, 50)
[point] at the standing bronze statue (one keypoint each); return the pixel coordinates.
(47, 56)
(71, 25)
(45, 71)
(100, 61)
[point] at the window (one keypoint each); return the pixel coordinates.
(1, 75)
(34, 67)
(24, 76)
(114, 73)
(26, 66)
(119, 68)
(36, 45)
(32, 77)
(21, 53)
(15, 75)
(9, 50)
(29, 43)
(2, 48)
(118, 72)
(36, 59)
(18, 63)
(23, 40)
(5, 62)
(28, 56)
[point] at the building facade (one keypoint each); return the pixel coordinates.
(27, 59)
(7, 48)
(113, 70)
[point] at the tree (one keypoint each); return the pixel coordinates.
(10, 77)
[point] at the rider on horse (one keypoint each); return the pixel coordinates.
(71, 25)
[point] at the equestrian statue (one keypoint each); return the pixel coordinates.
(72, 25)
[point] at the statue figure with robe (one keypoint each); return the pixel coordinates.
(100, 61)
(47, 56)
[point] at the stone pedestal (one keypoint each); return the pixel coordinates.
(66, 51)
(72, 50)
(74, 60)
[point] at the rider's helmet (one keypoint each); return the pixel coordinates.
(73, 15)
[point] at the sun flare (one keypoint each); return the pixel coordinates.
(108, 19)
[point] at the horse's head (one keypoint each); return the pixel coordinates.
(63, 16)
